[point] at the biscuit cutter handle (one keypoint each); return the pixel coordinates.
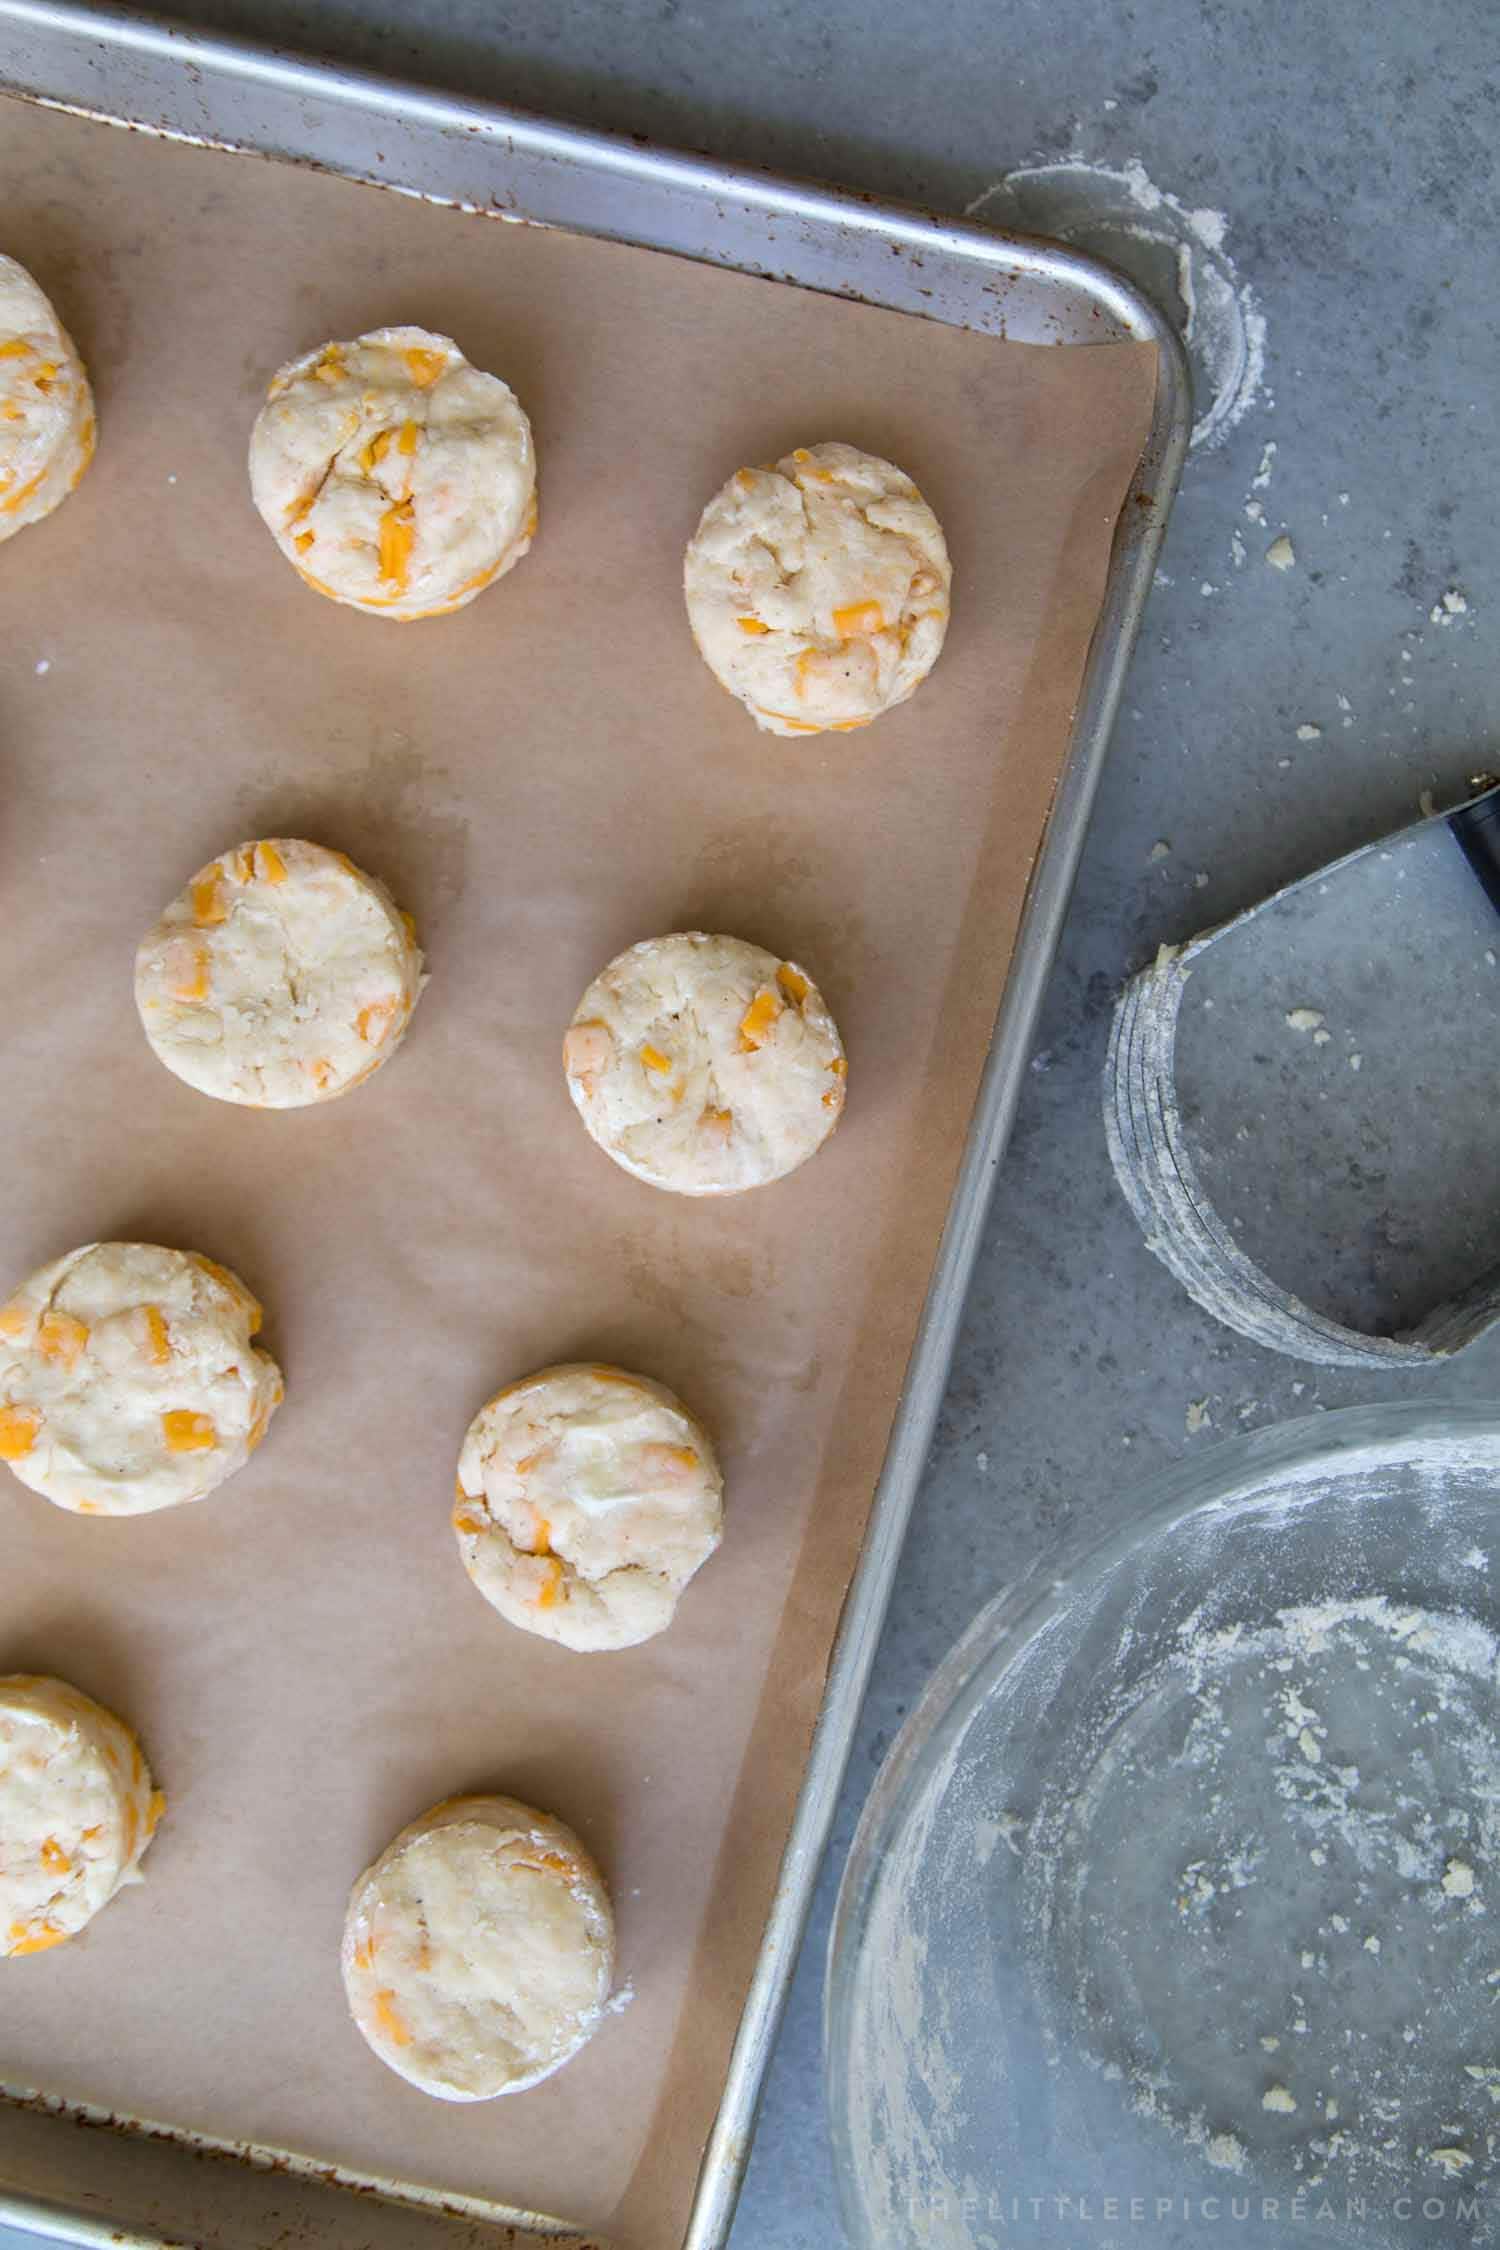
(1477, 827)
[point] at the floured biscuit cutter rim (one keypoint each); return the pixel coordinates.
(1156, 1172)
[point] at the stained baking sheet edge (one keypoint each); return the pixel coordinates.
(133, 71)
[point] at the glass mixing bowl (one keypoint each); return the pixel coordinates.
(1174, 1914)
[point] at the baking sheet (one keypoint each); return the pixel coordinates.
(541, 780)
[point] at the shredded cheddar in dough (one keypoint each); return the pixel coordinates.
(187, 1432)
(19, 1426)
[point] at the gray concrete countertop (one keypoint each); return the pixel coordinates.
(1352, 152)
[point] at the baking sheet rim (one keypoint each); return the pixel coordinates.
(1137, 541)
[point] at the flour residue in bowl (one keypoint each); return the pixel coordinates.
(1267, 1896)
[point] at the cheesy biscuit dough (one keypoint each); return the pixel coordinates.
(128, 1381)
(394, 476)
(46, 406)
(282, 975)
(817, 590)
(587, 1498)
(705, 1065)
(77, 1810)
(478, 1950)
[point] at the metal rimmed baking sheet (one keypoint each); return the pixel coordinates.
(410, 814)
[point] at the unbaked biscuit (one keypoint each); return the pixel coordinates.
(281, 975)
(478, 1949)
(705, 1065)
(817, 590)
(587, 1498)
(394, 476)
(128, 1381)
(77, 1810)
(46, 406)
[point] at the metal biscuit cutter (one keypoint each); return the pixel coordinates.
(1303, 1106)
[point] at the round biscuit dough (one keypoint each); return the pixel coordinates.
(478, 1950)
(395, 477)
(705, 1065)
(818, 590)
(281, 975)
(128, 1381)
(77, 1810)
(587, 1498)
(46, 406)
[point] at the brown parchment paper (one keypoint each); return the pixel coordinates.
(541, 780)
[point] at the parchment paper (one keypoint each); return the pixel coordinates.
(541, 780)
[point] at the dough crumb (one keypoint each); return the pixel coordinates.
(1304, 1019)
(1160, 849)
(1307, 732)
(1452, 2160)
(1458, 1879)
(1197, 1416)
(1225, 2153)
(1278, 2099)
(1270, 2042)
(1281, 554)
